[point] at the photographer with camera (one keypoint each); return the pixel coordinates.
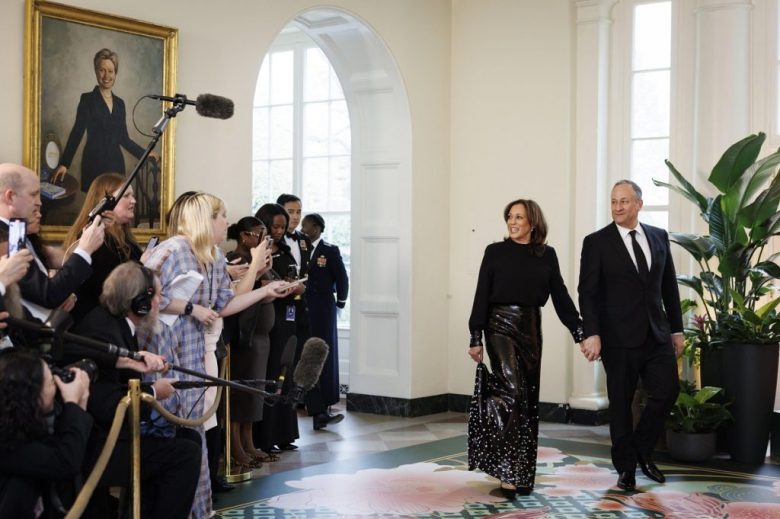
(130, 303)
(33, 456)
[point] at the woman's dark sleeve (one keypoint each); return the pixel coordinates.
(563, 304)
(57, 457)
(124, 138)
(77, 132)
(479, 310)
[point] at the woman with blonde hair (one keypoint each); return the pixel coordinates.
(201, 226)
(119, 244)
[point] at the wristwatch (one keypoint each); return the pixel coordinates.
(188, 308)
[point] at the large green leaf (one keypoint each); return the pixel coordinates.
(700, 247)
(765, 206)
(770, 268)
(687, 190)
(718, 226)
(707, 392)
(765, 309)
(735, 161)
(691, 282)
(750, 184)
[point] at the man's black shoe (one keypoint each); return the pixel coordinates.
(322, 420)
(627, 481)
(650, 470)
(220, 484)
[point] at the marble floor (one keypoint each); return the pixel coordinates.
(361, 433)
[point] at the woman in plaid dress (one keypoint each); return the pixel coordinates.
(200, 226)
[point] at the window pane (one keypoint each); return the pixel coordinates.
(647, 163)
(281, 179)
(652, 36)
(650, 103)
(339, 199)
(260, 134)
(655, 218)
(281, 138)
(316, 76)
(335, 86)
(340, 135)
(261, 184)
(262, 88)
(282, 77)
(315, 129)
(315, 184)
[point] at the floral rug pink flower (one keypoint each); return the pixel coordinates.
(568, 485)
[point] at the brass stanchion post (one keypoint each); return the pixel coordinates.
(229, 476)
(134, 392)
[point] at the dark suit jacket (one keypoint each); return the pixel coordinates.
(327, 273)
(106, 135)
(37, 287)
(306, 249)
(109, 388)
(614, 301)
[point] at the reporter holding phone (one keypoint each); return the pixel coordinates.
(119, 244)
(280, 423)
(20, 197)
(247, 334)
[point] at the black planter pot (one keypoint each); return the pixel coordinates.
(711, 369)
(750, 379)
(690, 447)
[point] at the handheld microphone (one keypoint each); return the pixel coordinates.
(307, 372)
(207, 105)
(287, 360)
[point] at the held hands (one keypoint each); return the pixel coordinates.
(476, 353)
(77, 390)
(591, 347)
(13, 268)
(261, 257)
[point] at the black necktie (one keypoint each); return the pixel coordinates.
(641, 261)
(292, 235)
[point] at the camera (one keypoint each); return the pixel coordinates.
(66, 375)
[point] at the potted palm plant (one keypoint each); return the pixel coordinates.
(693, 422)
(735, 284)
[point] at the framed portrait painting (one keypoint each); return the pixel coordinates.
(87, 79)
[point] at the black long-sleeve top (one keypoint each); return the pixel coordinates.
(512, 274)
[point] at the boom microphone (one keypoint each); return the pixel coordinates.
(287, 360)
(307, 372)
(207, 105)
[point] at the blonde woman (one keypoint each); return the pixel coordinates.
(201, 226)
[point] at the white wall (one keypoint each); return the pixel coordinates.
(511, 138)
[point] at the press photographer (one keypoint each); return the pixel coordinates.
(34, 455)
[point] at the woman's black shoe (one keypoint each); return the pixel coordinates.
(220, 484)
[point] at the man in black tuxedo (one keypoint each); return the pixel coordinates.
(20, 197)
(170, 462)
(630, 306)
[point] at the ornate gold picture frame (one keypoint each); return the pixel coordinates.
(71, 134)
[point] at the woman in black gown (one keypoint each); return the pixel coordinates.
(279, 426)
(516, 278)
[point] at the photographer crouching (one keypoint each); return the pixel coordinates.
(34, 455)
(169, 465)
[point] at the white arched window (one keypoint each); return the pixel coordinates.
(302, 138)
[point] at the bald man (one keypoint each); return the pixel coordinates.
(20, 197)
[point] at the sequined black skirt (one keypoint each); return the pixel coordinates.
(504, 412)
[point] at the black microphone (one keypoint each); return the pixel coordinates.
(207, 105)
(287, 360)
(307, 372)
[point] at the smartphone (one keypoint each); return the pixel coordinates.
(17, 235)
(152, 243)
(295, 283)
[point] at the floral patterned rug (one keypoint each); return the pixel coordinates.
(574, 480)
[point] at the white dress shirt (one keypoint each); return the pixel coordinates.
(641, 239)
